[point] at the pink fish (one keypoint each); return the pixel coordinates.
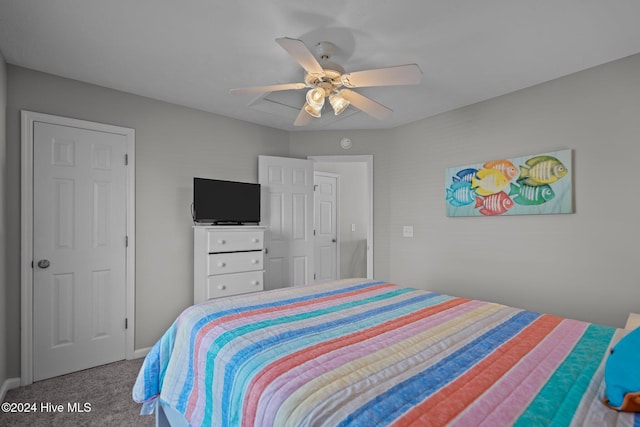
(505, 166)
(494, 204)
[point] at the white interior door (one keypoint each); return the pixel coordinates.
(367, 161)
(287, 212)
(325, 197)
(79, 249)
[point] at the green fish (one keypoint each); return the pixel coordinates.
(528, 195)
(542, 170)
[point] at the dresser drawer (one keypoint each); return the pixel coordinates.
(234, 262)
(234, 284)
(228, 241)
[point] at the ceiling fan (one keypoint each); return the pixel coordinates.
(325, 79)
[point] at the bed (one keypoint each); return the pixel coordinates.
(369, 353)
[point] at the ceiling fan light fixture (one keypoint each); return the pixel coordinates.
(338, 103)
(312, 110)
(315, 97)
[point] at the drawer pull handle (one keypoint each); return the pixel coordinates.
(255, 282)
(222, 287)
(255, 240)
(221, 264)
(254, 261)
(222, 241)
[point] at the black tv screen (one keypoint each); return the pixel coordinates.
(219, 202)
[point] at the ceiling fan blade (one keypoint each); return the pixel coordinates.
(272, 88)
(299, 51)
(303, 118)
(367, 105)
(409, 74)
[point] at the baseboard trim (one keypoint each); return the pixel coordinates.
(11, 383)
(8, 384)
(141, 352)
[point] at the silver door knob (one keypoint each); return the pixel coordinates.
(44, 263)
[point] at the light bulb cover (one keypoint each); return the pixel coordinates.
(338, 103)
(311, 110)
(315, 97)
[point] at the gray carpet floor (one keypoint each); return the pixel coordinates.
(107, 390)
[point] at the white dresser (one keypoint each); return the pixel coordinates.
(227, 260)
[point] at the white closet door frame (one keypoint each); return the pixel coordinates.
(26, 256)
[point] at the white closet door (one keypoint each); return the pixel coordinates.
(287, 212)
(79, 228)
(325, 197)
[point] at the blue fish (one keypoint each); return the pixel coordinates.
(460, 194)
(465, 175)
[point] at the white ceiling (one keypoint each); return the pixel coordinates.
(191, 52)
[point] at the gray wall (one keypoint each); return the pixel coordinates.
(3, 225)
(173, 144)
(584, 265)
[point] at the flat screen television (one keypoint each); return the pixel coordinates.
(225, 202)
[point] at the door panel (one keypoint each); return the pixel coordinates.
(79, 227)
(63, 296)
(300, 224)
(287, 194)
(300, 269)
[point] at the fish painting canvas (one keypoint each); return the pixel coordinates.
(535, 184)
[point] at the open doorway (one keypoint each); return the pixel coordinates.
(355, 211)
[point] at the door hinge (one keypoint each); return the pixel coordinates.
(314, 232)
(126, 159)
(314, 276)
(126, 241)
(126, 323)
(315, 187)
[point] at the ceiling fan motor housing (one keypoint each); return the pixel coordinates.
(329, 80)
(325, 50)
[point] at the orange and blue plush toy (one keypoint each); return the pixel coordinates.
(622, 374)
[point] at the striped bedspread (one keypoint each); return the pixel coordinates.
(366, 353)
